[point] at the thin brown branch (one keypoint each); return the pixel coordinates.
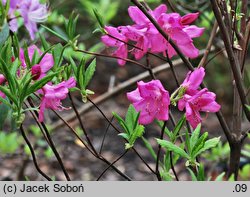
(106, 169)
(209, 45)
(33, 154)
(234, 62)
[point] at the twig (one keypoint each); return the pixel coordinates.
(98, 156)
(159, 152)
(172, 166)
(33, 154)
(104, 136)
(113, 57)
(116, 129)
(81, 124)
(51, 144)
(209, 45)
(111, 165)
(234, 62)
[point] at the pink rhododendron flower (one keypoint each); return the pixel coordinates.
(39, 70)
(151, 100)
(180, 34)
(193, 80)
(53, 95)
(202, 100)
(32, 12)
(121, 50)
(147, 37)
(195, 100)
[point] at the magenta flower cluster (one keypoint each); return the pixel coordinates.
(152, 100)
(51, 94)
(147, 38)
(31, 11)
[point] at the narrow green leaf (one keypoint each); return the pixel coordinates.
(220, 177)
(89, 72)
(57, 54)
(16, 46)
(187, 142)
(208, 144)
(45, 44)
(80, 76)
(201, 173)
(99, 18)
(195, 136)
(149, 147)
(131, 118)
(194, 178)
(11, 80)
(172, 147)
(199, 145)
(179, 125)
(121, 122)
(5, 102)
(14, 67)
(4, 33)
(124, 135)
(26, 56)
(55, 33)
(8, 94)
(40, 83)
(137, 133)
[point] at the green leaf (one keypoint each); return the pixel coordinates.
(9, 77)
(121, 122)
(179, 125)
(137, 133)
(201, 173)
(248, 107)
(187, 142)
(14, 67)
(80, 74)
(16, 46)
(55, 33)
(130, 119)
(57, 54)
(194, 178)
(26, 56)
(149, 147)
(99, 18)
(195, 136)
(199, 145)
(89, 72)
(39, 84)
(8, 94)
(208, 144)
(124, 135)
(220, 177)
(4, 33)
(45, 44)
(172, 147)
